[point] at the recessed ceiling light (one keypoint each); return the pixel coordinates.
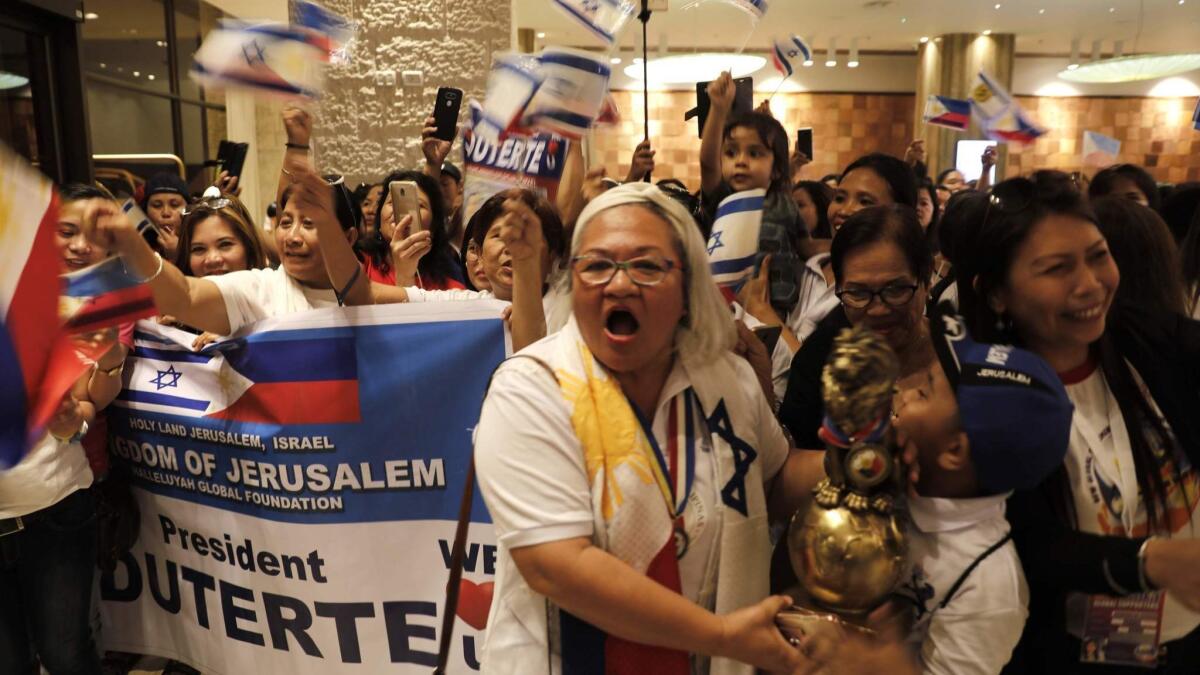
(103, 65)
(541, 35)
(807, 63)
(92, 16)
(615, 59)
(996, 6)
(852, 64)
(987, 32)
(1041, 11)
(904, 19)
(136, 74)
(149, 77)
(924, 39)
(1111, 10)
(1132, 68)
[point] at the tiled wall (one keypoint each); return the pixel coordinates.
(1155, 132)
(844, 127)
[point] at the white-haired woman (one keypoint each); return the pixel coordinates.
(628, 461)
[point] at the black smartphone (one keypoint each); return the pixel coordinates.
(743, 100)
(769, 336)
(445, 112)
(804, 141)
(231, 157)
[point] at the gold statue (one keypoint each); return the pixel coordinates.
(848, 547)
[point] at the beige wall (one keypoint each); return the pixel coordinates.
(365, 130)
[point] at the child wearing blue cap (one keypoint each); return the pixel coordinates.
(990, 419)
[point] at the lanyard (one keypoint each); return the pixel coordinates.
(675, 470)
(1122, 473)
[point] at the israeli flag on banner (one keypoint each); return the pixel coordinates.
(603, 18)
(571, 97)
(165, 377)
(512, 84)
(789, 53)
(733, 244)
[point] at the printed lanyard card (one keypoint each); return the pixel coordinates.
(1122, 631)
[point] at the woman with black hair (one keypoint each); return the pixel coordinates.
(400, 253)
(1119, 518)
(881, 268)
(813, 198)
(1143, 247)
(927, 207)
(1126, 180)
(872, 180)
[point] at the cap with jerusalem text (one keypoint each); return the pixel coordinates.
(1012, 405)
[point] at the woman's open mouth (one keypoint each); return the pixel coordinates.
(621, 325)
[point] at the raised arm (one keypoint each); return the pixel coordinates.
(298, 124)
(521, 232)
(196, 302)
(315, 198)
(571, 199)
(435, 149)
(720, 96)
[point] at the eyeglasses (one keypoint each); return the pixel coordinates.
(648, 270)
(208, 203)
(894, 295)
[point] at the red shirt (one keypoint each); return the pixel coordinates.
(378, 275)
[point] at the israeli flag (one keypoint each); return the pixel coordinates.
(733, 244)
(574, 87)
(789, 53)
(755, 7)
(512, 84)
(268, 57)
(603, 18)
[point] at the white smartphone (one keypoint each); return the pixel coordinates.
(404, 202)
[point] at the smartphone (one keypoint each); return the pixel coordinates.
(445, 112)
(231, 157)
(804, 141)
(769, 336)
(404, 202)
(743, 100)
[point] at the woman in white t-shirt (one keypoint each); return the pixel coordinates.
(1121, 517)
(627, 462)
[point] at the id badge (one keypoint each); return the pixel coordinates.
(1122, 631)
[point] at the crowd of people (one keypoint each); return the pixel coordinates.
(1073, 479)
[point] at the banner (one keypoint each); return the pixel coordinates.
(320, 545)
(532, 161)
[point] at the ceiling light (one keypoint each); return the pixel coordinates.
(92, 16)
(1132, 68)
(924, 39)
(997, 6)
(695, 67)
(831, 53)
(615, 60)
(1074, 62)
(1175, 87)
(12, 80)
(1056, 89)
(103, 65)
(136, 74)
(149, 77)
(1041, 11)
(987, 32)
(541, 35)
(904, 19)
(637, 60)
(853, 60)
(1111, 10)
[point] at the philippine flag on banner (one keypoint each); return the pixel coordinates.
(603, 18)
(307, 376)
(1100, 150)
(29, 324)
(952, 113)
(790, 53)
(267, 57)
(1000, 117)
(733, 244)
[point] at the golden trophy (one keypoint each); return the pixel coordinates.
(848, 547)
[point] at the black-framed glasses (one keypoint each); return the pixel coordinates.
(207, 203)
(892, 295)
(649, 270)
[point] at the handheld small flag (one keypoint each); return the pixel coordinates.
(512, 84)
(270, 57)
(755, 8)
(332, 33)
(104, 295)
(603, 18)
(733, 244)
(951, 113)
(1099, 150)
(788, 54)
(561, 91)
(999, 115)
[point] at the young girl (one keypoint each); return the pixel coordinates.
(748, 152)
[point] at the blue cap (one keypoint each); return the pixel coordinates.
(1012, 405)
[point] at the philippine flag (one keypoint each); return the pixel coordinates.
(1099, 150)
(733, 244)
(788, 53)
(36, 367)
(307, 376)
(947, 112)
(104, 295)
(1000, 117)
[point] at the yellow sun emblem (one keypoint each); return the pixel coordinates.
(607, 428)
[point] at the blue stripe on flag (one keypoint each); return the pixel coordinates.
(181, 356)
(578, 63)
(732, 266)
(147, 337)
(804, 50)
(98, 279)
(739, 206)
(304, 359)
(136, 396)
(782, 61)
(585, 20)
(582, 122)
(955, 105)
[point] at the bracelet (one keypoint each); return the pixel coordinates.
(111, 372)
(1141, 562)
(295, 146)
(157, 272)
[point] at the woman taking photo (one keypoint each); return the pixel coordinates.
(402, 253)
(881, 267)
(601, 566)
(1119, 518)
